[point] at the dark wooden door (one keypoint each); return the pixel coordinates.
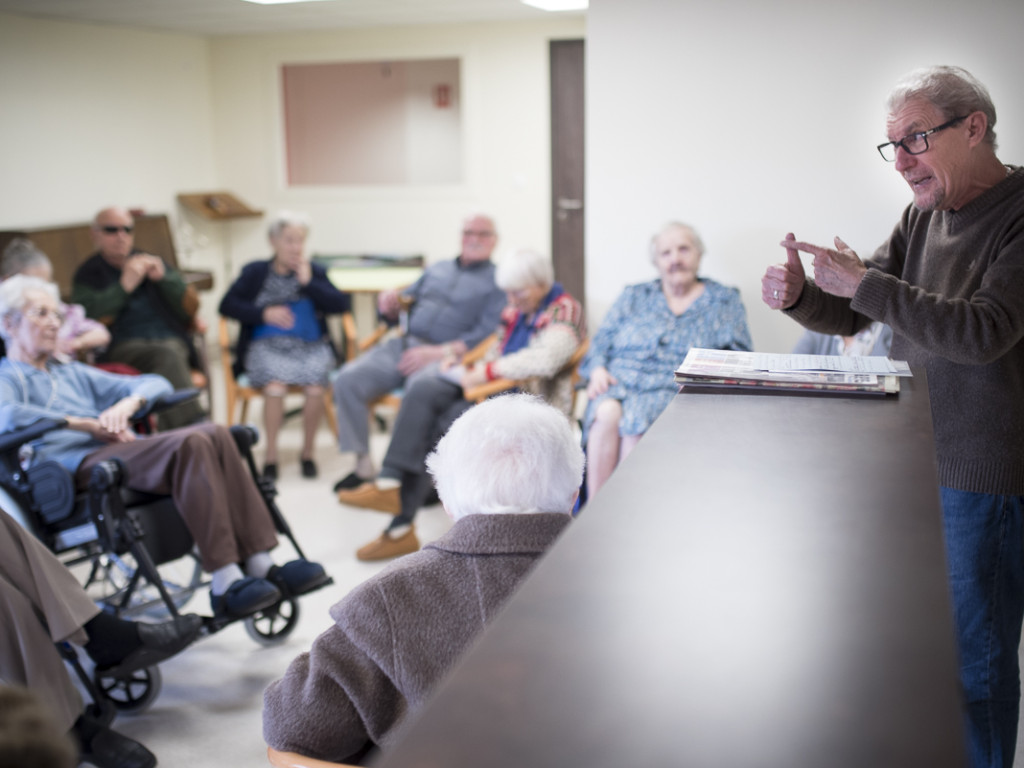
(567, 154)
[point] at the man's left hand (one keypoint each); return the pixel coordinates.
(837, 271)
(154, 267)
(415, 358)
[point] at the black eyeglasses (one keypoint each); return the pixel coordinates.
(112, 229)
(914, 143)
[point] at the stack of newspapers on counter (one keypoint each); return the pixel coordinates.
(720, 368)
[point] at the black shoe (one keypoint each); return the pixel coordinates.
(157, 643)
(270, 471)
(351, 480)
(110, 749)
(298, 577)
(308, 468)
(245, 597)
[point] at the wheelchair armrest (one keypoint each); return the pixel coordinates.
(245, 436)
(164, 402)
(10, 441)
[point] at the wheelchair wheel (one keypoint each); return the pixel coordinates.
(272, 626)
(181, 578)
(134, 692)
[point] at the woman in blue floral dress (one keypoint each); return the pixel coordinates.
(642, 341)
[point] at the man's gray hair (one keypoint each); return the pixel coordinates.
(21, 254)
(953, 90)
(512, 454)
(283, 219)
(13, 297)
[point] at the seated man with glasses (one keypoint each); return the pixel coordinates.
(144, 302)
(453, 306)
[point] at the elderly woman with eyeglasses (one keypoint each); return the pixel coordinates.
(643, 339)
(199, 466)
(78, 334)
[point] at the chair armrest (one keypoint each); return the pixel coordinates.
(164, 402)
(483, 391)
(295, 760)
(378, 333)
(9, 441)
(479, 350)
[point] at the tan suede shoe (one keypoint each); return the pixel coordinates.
(386, 547)
(369, 496)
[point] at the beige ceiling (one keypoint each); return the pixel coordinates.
(236, 17)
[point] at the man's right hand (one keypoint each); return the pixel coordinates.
(134, 272)
(415, 358)
(387, 303)
(782, 284)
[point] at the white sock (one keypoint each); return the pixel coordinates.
(398, 531)
(364, 466)
(257, 565)
(224, 577)
(387, 483)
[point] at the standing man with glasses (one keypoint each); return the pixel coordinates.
(453, 306)
(950, 283)
(142, 299)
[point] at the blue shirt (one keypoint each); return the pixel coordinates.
(28, 395)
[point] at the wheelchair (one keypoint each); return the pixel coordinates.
(132, 550)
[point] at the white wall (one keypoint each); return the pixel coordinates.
(97, 116)
(750, 119)
(504, 98)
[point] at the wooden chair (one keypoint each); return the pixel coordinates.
(483, 391)
(295, 760)
(389, 399)
(238, 392)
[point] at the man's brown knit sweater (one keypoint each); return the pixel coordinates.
(951, 286)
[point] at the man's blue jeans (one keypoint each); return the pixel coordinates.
(985, 547)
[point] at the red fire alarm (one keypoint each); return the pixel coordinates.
(442, 96)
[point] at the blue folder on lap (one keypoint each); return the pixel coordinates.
(306, 326)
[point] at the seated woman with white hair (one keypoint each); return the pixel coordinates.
(198, 466)
(643, 339)
(283, 303)
(541, 328)
(508, 472)
(79, 334)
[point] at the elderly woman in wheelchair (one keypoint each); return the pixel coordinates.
(199, 467)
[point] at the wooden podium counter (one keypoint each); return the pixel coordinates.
(761, 583)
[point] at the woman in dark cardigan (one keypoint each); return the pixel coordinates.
(282, 303)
